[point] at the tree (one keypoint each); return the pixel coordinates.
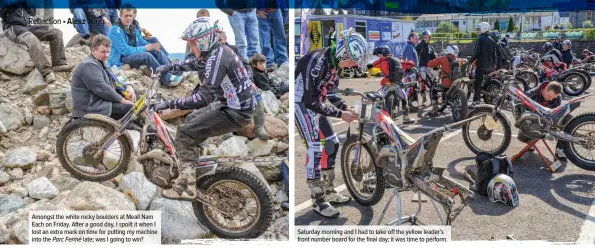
(497, 25)
(510, 27)
(446, 27)
(587, 24)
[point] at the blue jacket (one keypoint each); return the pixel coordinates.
(410, 54)
(121, 47)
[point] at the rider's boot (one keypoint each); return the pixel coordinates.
(320, 205)
(330, 195)
(406, 118)
(259, 119)
(434, 111)
(184, 187)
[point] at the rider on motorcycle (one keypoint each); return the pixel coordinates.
(452, 51)
(548, 95)
(551, 56)
(567, 56)
(426, 53)
(316, 77)
(383, 63)
(226, 81)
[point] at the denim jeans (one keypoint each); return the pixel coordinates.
(273, 24)
(155, 40)
(81, 25)
(152, 59)
(112, 15)
(245, 30)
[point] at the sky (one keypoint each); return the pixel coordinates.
(165, 24)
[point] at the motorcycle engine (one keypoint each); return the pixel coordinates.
(391, 165)
(531, 125)
(155, 171)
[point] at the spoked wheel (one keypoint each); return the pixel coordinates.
(480, 138)
(491, 91)
(79, 150)
(530, 78)
(458, 104)
(582, 155)
(392, 104)
(574, 84)
(364, 180)
(244, 199)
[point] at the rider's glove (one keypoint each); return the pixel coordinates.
(158, 106)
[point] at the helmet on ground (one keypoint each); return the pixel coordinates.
(426, 32)
(384, 50)
(452, 50)
(483, 27)
(495, 35)
(548, 46)
(502, 189)
(567, 42)
(353, 46)
(204, 31)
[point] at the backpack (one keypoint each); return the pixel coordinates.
(455, 70)
(503, 52)
(489, 166)
(395, 70)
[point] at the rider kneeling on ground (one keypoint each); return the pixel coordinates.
(548, 95)
(226, 82)
(446, 80)
(393, 73)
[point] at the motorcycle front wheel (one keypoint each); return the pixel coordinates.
(78, 143)
(364, 180)
(583, 156)
(479, 138)
(239, 191)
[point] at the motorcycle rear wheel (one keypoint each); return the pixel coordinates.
(570, 149)
(249, 181)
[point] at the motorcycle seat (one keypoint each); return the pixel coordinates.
(439, 87)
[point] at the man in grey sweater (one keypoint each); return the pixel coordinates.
(93, 87)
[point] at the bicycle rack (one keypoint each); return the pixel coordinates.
(411, 218)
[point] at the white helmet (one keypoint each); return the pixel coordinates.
(353, 46)
(483, 27)
(502, 189)
(452, 49)
(204, 31)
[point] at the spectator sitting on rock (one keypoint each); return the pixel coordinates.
(93, 86)
(129, 47)
(147, 35)
(15, 23)
(262, 79)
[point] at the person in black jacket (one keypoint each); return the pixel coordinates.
(567, 56)
(485, 54)
(16, 26)
(426, 54)
(558, 43)
(588, 56)
(262, 79)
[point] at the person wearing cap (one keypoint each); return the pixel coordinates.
(505, 39)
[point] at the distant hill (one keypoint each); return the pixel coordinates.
(179, 56)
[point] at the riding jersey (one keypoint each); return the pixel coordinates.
(226, 80)
(316, 78)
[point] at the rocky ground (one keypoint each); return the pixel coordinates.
(31, 177)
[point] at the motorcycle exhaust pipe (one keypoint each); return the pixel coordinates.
(425, 188)
(526, 117)
(386, 151)
(156, 154)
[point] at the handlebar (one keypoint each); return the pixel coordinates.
(351, 92)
